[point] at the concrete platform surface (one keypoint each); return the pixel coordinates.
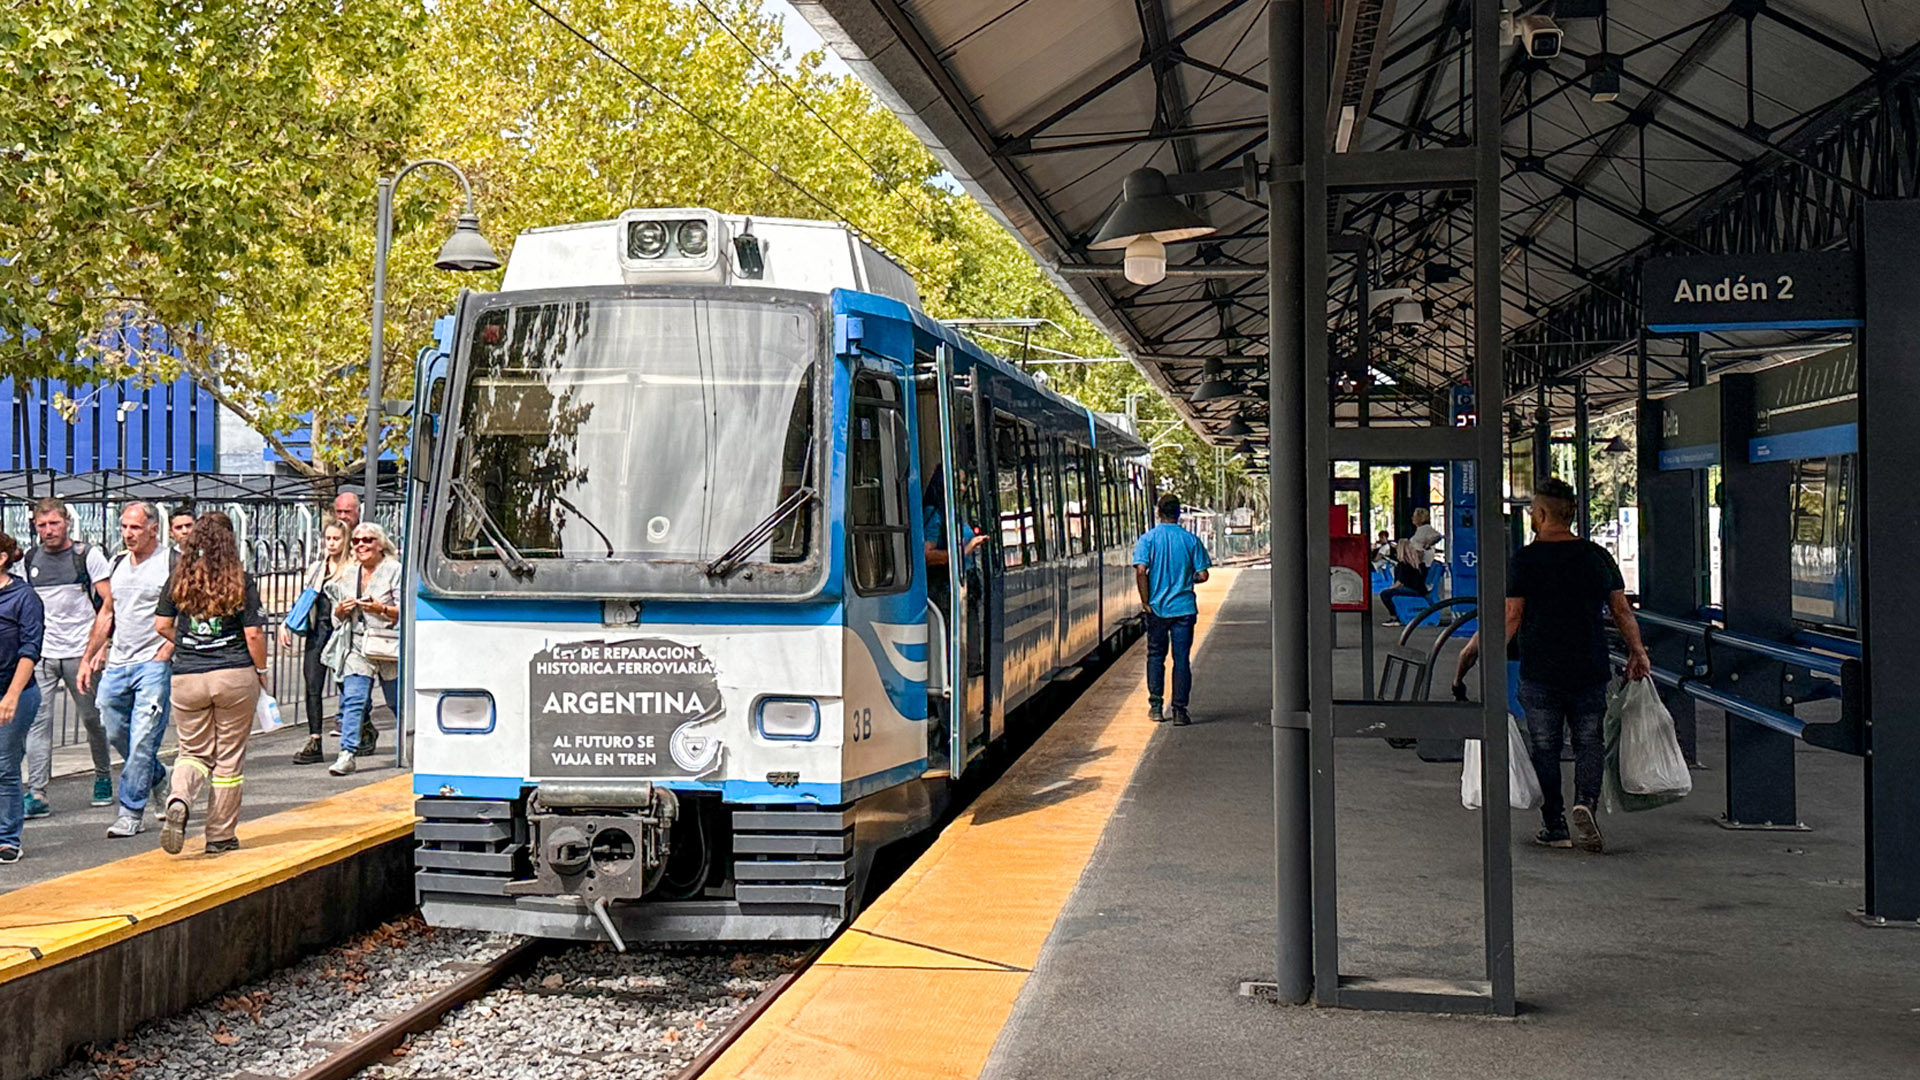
(74, 837)
(921, 983)
(53, 921)
(1688, 951)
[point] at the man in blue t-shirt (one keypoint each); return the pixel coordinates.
(1168, 561)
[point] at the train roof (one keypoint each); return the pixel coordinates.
(851, 302)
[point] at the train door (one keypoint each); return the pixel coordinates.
(969, 545)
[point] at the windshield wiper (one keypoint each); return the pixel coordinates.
(585, 520)
(503, 548)
(736, 555)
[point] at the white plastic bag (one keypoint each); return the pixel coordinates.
(1650, 758)
(266, 714)
(1523, 787)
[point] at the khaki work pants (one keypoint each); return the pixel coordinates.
(214, 710)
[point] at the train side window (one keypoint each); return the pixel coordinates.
(1040, 493)
(877, 468)
(1006, 460)
(1073, 496)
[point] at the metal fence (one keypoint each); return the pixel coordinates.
(278, 539)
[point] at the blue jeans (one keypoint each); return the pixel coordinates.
(1176, 633)
(136, 701)
(1387, 594)
(356, 700)
(13, 748)
(1582, 709)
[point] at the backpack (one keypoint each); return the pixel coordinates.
(78, 550)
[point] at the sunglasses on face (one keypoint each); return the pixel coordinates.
(358, 540)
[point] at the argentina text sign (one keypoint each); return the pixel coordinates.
(1766, 291)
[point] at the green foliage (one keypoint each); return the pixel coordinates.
(209, 165)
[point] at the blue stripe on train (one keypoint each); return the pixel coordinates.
(659, 613)
(733, 791)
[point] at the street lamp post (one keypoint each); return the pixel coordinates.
(465, 250)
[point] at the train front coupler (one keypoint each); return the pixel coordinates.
(601, 841)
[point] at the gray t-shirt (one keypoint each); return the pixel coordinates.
(136, 592)
(56, 577)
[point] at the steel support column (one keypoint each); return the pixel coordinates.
(1286, 430)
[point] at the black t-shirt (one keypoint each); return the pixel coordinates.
(213, 644)
(1563, 642)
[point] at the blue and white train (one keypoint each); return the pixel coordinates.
(685, 646)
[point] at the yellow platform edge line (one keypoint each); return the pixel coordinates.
(44, 915)
(924, 980)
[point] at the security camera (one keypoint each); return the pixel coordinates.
(1539, 36)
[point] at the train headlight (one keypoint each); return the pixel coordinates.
(787, 718)
(466, 712)
(693, 238)
(646, 239)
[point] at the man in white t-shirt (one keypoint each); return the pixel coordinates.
(69, 575)
(135, 664)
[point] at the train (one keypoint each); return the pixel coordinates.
(727, 564)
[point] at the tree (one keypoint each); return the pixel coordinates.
(181, 164)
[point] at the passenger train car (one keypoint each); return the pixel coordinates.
(728, 561)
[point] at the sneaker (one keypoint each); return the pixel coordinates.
(103, 791)
(37, 806)
(1586, 831)
(1459, 691)
(333, 732)
(1390, 622)
(1554, 836)
(173, 833)
(311, 753)
(127, 824)
(221, 847)
(1180, 717)
(369, 738)
(1154, 712)
(343, 764)
(9, 854)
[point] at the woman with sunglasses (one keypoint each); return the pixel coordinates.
(319, 631)
(365, 647)
(21, 627)
(211, 612)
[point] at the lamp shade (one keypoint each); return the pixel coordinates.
(1616, 445)
(1245, 449)
(1409, 313)
(1147, 208)
(466, 249)
(1236, 428)
(1213, 388)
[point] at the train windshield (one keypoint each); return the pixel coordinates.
(625, 445)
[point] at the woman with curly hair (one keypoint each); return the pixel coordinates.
(211, 612)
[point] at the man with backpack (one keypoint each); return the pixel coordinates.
(71, 577)
(132, 665)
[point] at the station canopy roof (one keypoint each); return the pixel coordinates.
(1040, 109)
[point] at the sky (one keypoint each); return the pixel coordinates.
(800, 35)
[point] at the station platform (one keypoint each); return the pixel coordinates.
(1094, 914)
(89, 954)
(74, 837)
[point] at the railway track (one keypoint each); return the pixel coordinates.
(376, 1049)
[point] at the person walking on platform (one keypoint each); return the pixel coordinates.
(366, 605)
(71, 577)
(1559, 589)
(211, 612)
(1168, 561)
(133, 665)
(1411, 558)
(21, 630)
(333, 562)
